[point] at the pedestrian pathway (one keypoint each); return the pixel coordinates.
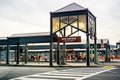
(115, 62)
(68, 74)
(47, 64)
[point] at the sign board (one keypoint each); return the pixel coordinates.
(69, 39)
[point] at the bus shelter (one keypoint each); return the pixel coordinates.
(27, 48)
(69, 20)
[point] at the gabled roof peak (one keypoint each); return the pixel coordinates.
(71, 7)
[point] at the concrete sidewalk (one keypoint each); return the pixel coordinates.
(112, 63)
(68, 64)
(46, 64)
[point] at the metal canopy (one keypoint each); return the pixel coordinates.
(70, 7)
(3, 41)
(68, 46)
(42, 37)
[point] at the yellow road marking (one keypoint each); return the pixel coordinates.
(108, 66)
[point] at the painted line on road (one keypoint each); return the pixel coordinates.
(108, 66)
(40, 74)
(67, 74)
(42, 77)
(54, 76)
(94, 74)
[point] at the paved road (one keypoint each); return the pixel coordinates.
(7, 72)
(58, 73)
(65, 74)
(108, 75)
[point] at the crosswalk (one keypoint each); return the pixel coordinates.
(68, 74)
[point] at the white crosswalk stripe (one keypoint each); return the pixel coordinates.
(69, 74)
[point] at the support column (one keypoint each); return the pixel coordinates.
(0, 55)
(58, 54)
(26, 54)
(88, 53)
(106, 58)
(51, 53)
(87, 42)
(15, 55)
(63, 61)
(7, 54)
(95, 51)
(96, 60)
(18, 53)
(51, 42)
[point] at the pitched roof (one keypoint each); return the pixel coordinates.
(31, 34)
(70, 7)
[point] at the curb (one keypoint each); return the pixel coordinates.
(48, 66)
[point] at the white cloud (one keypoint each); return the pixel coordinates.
(34, 16)
(9, 27)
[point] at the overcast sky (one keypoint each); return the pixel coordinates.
(27, 16)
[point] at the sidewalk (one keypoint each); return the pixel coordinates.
(114, 62)
(68, 64)
(46, 64)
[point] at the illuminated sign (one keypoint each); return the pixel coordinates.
(69, 39)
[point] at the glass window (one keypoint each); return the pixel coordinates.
(55, 24)
(68, 30)
(82, 22)
(72, 19)
(62, 24)
(64, 19)
(91, 24)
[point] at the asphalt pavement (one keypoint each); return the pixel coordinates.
(70, 71)
(65, 74)
(113, 74)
